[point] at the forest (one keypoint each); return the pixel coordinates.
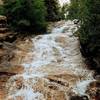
(49, 49)
(88, 14)
(23, 15)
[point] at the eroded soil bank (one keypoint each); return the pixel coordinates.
(46, 67)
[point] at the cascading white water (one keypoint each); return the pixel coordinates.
(51, 54)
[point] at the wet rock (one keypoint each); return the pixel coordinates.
(93, 90)
(97, 77)
(14, 69)
(6, 53)
(49, 90)
(58, 80)
(19, 83)
(52, 66)
(53, 87)
(79, 98)
(17, 98)
(61, 40)
(84, 98)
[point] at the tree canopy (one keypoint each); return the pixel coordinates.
(53, 10)
(88, 13)
(30, 15)
(27, 15)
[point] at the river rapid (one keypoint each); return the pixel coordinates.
(53, 67)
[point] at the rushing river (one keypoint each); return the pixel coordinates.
(53, 68)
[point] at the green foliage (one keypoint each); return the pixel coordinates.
(2, 10)
(90, 27)
(88, 12)
(64, 11)
(26, 15)
(53, 10)
(73, 9)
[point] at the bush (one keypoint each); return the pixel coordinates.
(87, 11)
(2, 11)
(53, 10)
(26, 15)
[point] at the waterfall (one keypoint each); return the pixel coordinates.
(53, 68)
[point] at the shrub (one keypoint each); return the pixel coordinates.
(26, 14)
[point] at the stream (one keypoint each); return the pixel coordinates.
(53, 67)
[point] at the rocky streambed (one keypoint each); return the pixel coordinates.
(48, 67)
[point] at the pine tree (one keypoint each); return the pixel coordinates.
(53, 10)
(26, 15)
(90, 28)
(88, 12)
(73, 9)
